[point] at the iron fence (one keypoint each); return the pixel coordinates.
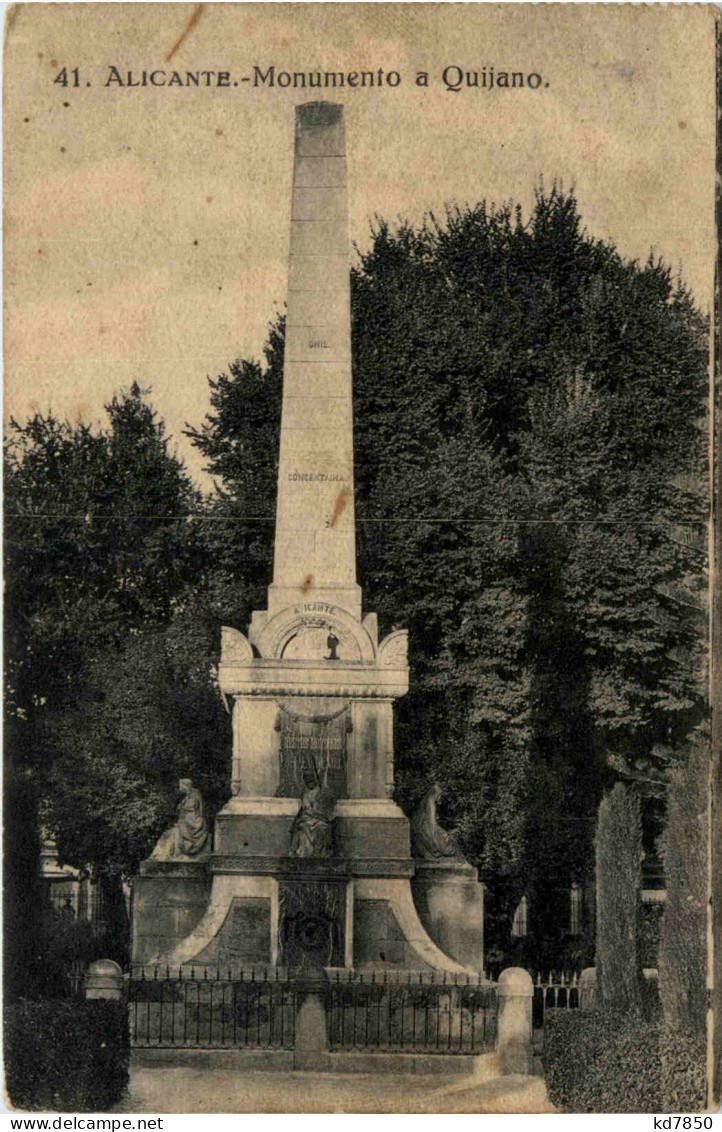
(74, 978)
(211, 1009)
(559, 991)
(424, 1013)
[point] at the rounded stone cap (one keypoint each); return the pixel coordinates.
(105, 967)
(588, 977)
(103, 974)
(515, 980)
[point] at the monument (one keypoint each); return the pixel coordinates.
(311, 861)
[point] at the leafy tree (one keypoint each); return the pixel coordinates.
(683, 946)
(97, 549)
(97, 543)
(619, 855)
(530, 449)
(148, 715)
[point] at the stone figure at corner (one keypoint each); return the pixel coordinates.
(312, 829)
(428, 839)
(189, 836)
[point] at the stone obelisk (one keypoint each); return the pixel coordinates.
(312, 688)
(315, 554)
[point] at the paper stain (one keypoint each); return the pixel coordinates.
(194, 18)
(307, 583)
(338, 507)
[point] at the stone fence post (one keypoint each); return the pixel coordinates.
(588, 988)
(312, 1051)
(515, 991)
(104, 979)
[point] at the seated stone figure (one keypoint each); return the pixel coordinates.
(312, 829)
(189, 836)
(428, 839)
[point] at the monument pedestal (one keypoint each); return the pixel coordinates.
(450, 903)
(170, 898)
(311, 689)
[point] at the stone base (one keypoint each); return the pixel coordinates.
(287, 1060)
(230, 913)
(169, 900)
(450, 904)
(257, 828)
(242, 924)
(389, 934)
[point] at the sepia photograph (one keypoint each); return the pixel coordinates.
(359, 544)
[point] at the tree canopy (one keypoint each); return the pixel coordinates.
(103, 565)
(529, 430)
(530, 448)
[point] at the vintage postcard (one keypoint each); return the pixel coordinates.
(358, 558)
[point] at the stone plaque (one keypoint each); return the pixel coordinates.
(312, 914)
(317, 745)
(246, 933)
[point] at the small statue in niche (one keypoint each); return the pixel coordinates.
(428, 840)
(312, 829)
(189, 836)
(332, 643)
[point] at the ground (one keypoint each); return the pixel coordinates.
(166, 1089)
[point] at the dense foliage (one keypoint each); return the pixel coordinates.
(529, 440)
(100, 563)
(649, 931)
(529, 449)
(70, 1056)
(619, 856)
(602, 1062)
(683, 945)
(683, 1057)
(597, 1062)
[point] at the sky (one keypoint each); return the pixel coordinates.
(146, 228)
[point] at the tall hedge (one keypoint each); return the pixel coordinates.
(596, 1061)
(683, 944)
(602, 1062)
(70, 1056)
(619, 856)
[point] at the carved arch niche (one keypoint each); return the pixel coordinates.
(313, 632)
